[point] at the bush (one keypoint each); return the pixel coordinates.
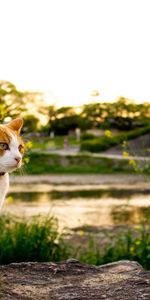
(87, 136)
(103, 143)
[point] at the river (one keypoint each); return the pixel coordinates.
(85, 204)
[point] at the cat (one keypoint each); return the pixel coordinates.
(11, 151)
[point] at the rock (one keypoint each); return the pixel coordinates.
(72, 280)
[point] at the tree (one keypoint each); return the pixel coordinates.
(30, 123)
(12, 101)
(63, 119)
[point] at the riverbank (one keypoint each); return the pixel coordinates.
(40, 163)
(78, 179)
(78, 200)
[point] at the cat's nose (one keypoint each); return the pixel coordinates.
(18, 159)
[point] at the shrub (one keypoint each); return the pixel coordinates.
(87, 136)
(100, 144)
(103, 143)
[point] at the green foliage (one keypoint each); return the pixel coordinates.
(33, 240)
(38, 239)
(12, 101)
(30, 123)
(98, 144)
(78, 164)
(134, 244)
(47, 143)
(15, 103)
(123, 114)
(62, 120)
(87, 136)
(103, 143)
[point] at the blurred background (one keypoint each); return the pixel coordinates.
(78, 74)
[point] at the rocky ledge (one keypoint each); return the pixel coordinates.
(72, 280)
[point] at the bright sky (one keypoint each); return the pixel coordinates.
(67, 48)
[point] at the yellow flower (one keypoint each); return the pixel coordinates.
(125, 154)
(124, 144)
(138, 242)
(9, 200)
(29, 145)
(132, 162)
(108, 133)
(131, 249)
(81, 233)
(26, 160)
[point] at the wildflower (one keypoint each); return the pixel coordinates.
(10, 200)
(29, 145)
(108, 133)
(138, 242)
(133, 164)
(81, 233)
(26, 160)
(125, 154)
(124, 144)
(132, 249)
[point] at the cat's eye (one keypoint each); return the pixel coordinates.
(20, 148)
(4, 146)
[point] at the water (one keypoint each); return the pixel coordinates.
(76, 206)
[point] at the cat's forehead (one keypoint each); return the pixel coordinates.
(6, 134)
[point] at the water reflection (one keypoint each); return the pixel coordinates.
(86, 206)
(130, 215)
(55, 194)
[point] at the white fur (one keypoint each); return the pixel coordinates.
(4, 185)
(8, 163)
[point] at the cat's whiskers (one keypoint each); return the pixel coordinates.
(21, 170)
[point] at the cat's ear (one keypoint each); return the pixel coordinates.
(16, 125)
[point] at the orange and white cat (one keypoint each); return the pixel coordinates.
(11, 150)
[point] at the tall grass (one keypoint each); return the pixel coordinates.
(38, 239)
(132, 245)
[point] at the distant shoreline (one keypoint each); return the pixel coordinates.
(84, 179)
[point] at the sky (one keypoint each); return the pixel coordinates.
(70, 48)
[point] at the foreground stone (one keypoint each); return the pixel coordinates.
(72, 280)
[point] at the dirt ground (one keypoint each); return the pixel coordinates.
(71, 280)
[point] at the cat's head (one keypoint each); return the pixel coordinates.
(11, 146)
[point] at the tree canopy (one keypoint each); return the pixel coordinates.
(123, 114)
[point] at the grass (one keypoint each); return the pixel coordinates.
(41, 162)
(47, 163)
(131, 245)
(38, 239)
(45, 143)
